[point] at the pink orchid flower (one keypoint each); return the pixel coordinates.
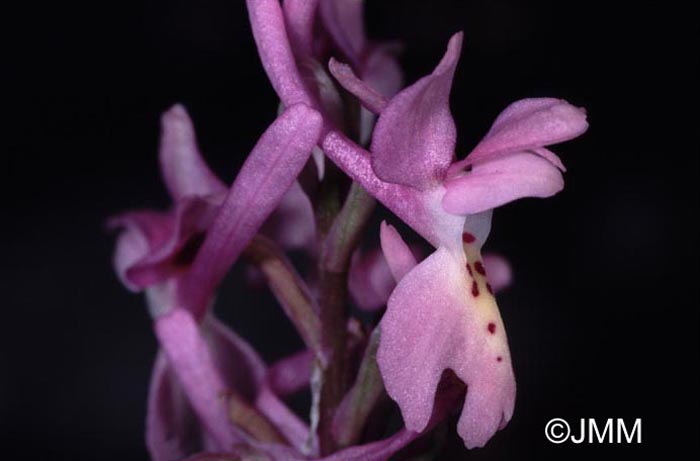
(442, 314)
(180, 256)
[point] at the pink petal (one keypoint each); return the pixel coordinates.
(499, 271)
(383, 80)
(267, 22)
(155, 246)
(299, 15)
(496, 182)
(190, 358)
(344, 21)
(132, 246)
(382, 70)
(292, 225)
(433, 323)
(290, 374)
(368, 96)
(398, 255)
(550, 156)
(172, 429)
(183, 167)
(414, 140)
(370, 281)
(267, 174)
(531, 124)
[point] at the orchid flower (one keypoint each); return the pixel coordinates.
(442, 314)
(161, 253)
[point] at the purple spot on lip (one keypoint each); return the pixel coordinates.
(492, 328)
(475, 289)
(468, 238)
(479, 266)
(499, 359)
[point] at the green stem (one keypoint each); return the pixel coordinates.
(347, 229)
(333, 336)
(327, 204)
(337, 248)
(362, 398)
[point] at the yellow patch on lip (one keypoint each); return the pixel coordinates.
(479, 289)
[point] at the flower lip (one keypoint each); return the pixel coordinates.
(432, 325)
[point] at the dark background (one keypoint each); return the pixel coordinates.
(601, 318)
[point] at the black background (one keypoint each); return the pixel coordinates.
(600, 319)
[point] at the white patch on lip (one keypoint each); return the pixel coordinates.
(446, 228)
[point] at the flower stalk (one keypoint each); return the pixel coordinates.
(336, 252)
